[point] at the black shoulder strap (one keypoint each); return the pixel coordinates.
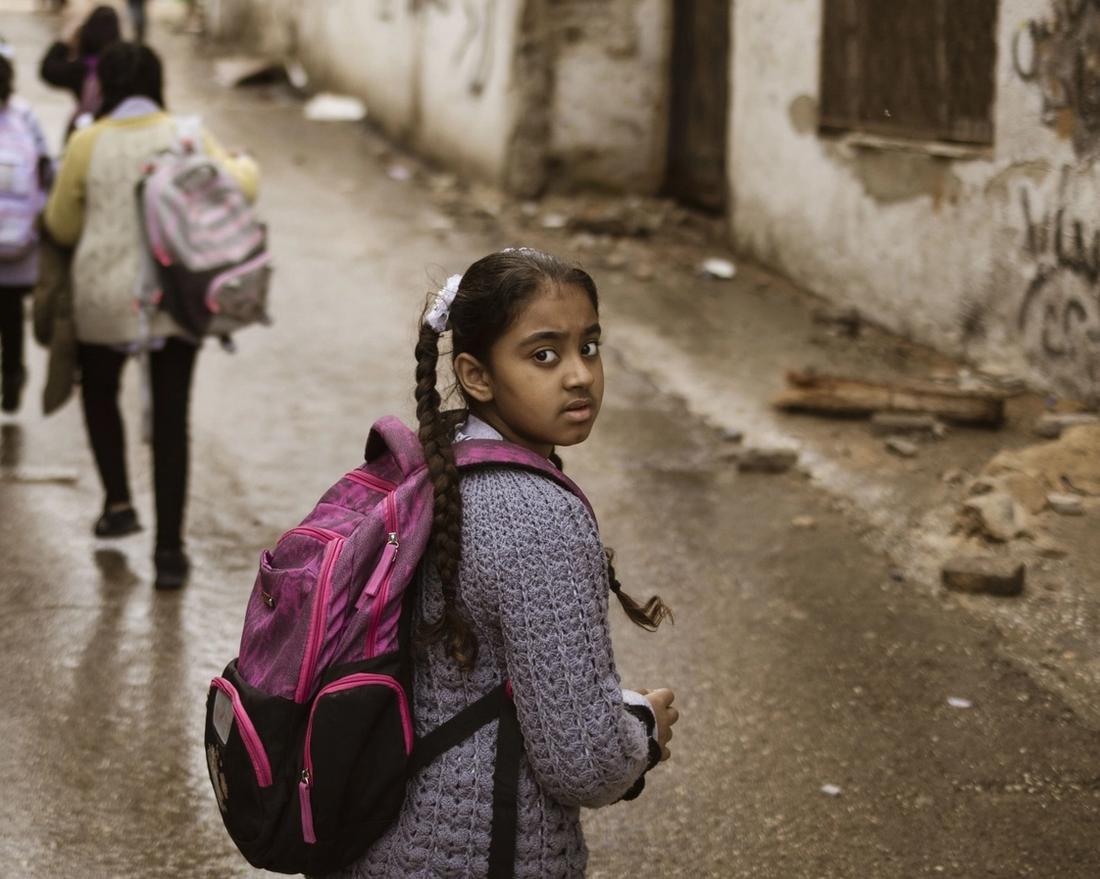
(494, 705)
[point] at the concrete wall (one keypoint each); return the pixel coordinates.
(610, 105)
(523, 93)
(961, 252)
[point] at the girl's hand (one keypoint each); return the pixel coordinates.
(661, 703)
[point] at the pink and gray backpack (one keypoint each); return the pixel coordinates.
(309, 731)
(207, 244)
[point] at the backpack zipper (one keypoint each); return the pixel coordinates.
(391, 548)
(305, 779)
(374, 482)
(320, 603)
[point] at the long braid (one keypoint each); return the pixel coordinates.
(435, 437)
(650, 615)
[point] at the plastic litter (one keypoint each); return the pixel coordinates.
(719, 268)
(327, 107)
(830, 790)
(958, 702)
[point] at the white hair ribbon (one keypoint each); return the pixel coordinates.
(440, 312)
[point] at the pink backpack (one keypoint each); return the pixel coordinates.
(309, 732)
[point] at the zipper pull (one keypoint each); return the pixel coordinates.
(392, 540)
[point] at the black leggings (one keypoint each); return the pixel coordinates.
(11, 329)
(171, 368)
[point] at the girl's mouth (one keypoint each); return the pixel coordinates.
(581, 410)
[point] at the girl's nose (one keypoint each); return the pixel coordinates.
(579, 374)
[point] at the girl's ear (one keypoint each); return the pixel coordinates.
(473, 377)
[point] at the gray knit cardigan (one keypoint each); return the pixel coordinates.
(534, 582)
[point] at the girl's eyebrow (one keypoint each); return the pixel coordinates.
(542, 335)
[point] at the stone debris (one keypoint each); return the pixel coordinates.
(328, 107)
(554, 220)
(398, 172)
(1053, 424)
(1066, 504)
(1071, 462)
(953, 477)
(892, 423)
(902, 447)
(632, 217)
(1024, 488)
(732, 435)
(843, 321)
(764, 460)
(1051, 549)
(804, 522)
(983, 574)
(719, 268)
(995, 516)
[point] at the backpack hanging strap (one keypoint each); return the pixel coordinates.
(495, 705)
(459, 728)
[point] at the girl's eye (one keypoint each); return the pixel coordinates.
(590, 349)
(546, 355)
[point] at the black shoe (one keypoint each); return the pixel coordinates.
(11, 389)
(117, 523)
(172, 566)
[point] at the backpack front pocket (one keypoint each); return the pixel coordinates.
(357, 743)
(252, 741)
(288, 613)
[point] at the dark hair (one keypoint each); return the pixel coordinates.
(129, 70)
(490, 297)
(7, 80)
(100, 29)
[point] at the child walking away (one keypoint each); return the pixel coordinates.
(93, 207)
(426, 686)
(25, 172)
(73, 65)
(515, 586)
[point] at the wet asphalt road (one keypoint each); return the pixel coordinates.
(797, 660)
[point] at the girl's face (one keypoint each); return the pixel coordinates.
(543, 384)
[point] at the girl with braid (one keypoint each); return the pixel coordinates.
(515, 585)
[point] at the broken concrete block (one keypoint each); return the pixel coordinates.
(893, 423)
(981, 574)
(766, 460)
(995, 515)
(1051, 549)
(1052, 424)
(1066, 504)
(902, 447)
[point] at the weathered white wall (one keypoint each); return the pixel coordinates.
(610, 107)
(515, 91)
(934, 247)
(436, 74)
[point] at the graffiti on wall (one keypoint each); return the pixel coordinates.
(1059, 314)
(1060, 55)
(473, 51)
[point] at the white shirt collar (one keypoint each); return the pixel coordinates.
(475, 428)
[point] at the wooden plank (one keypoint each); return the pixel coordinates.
(838, 395)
